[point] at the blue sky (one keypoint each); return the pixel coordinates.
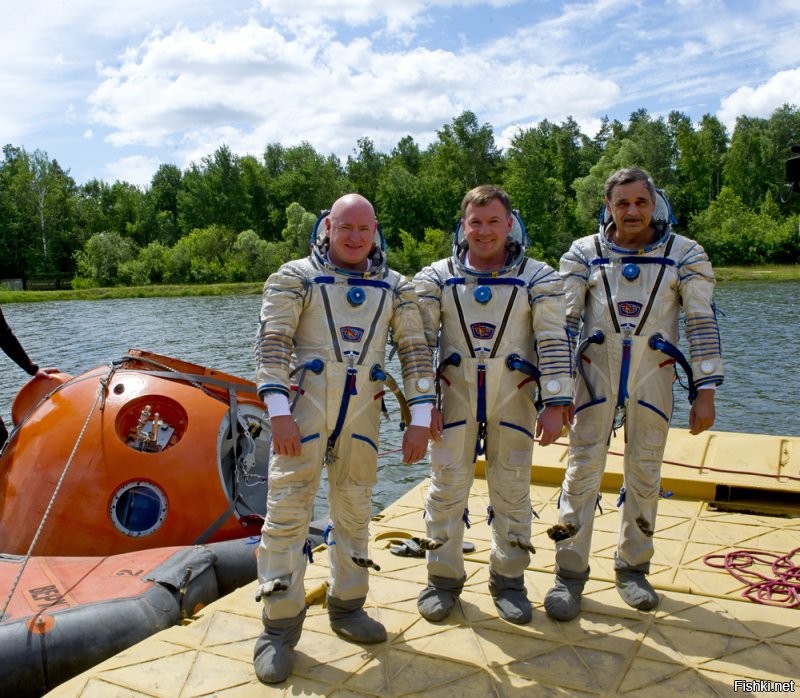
(113, 89)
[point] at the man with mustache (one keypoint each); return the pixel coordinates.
(626, 287)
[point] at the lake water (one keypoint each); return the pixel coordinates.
(760, 325)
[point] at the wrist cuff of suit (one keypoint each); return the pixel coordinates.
(421, 415)
(277, 404)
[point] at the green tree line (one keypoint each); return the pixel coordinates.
(235, 218)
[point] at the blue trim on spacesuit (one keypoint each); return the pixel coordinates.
(480, 414)
(653, 408)
(517, 428)
(459, 423)
(485, 280)
(349, 389)
(377, 283)
(627, 344)
(421, 400)
(634, 259)
(591, 403)
(366, 440)
(272, 388)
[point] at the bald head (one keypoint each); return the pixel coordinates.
(354, 202)
(351, 228)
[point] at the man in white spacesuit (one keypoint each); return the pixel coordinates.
(626, 286)
(325, 321)
(496, 319)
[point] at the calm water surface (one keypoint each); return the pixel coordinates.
(760, 326)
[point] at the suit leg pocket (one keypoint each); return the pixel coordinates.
(359, 466)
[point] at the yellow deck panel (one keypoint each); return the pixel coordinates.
(702, 638)
(695, 465)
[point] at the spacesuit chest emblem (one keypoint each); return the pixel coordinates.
(351, 334)
(629, 308)
(482, 330)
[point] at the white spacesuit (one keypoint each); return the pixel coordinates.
(624, 307)
(322, 343)
(494, 332)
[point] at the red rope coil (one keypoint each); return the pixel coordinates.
(782, 588)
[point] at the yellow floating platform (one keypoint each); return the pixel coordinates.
(704, 639)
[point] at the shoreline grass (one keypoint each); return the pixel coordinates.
(776, 272)
(724, 274)
(116, 292)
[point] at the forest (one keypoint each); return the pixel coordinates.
(232, 218)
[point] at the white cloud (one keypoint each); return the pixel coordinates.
(251, 85)
(134, 169)
(394, 16)
(176, 80)
(49, 49)
(397, 15)
(760, 101)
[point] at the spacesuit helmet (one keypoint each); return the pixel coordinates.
(320, 246)
(516, 244)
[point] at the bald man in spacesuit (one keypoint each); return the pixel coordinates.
(496, 319)
(325, 321)
(626, 286)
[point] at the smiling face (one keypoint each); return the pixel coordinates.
(486, 229)
(632, 207)
(351, 228)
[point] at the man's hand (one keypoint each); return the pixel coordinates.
(45, 373)
(702, 413)
(551, 423)
(415, 443)
(285, 436)
(437, 424)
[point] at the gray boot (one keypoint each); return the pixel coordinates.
(273, 658)
(563, 601)
(350, 621)
(437, 599)
(510, 598)
(633, 586)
